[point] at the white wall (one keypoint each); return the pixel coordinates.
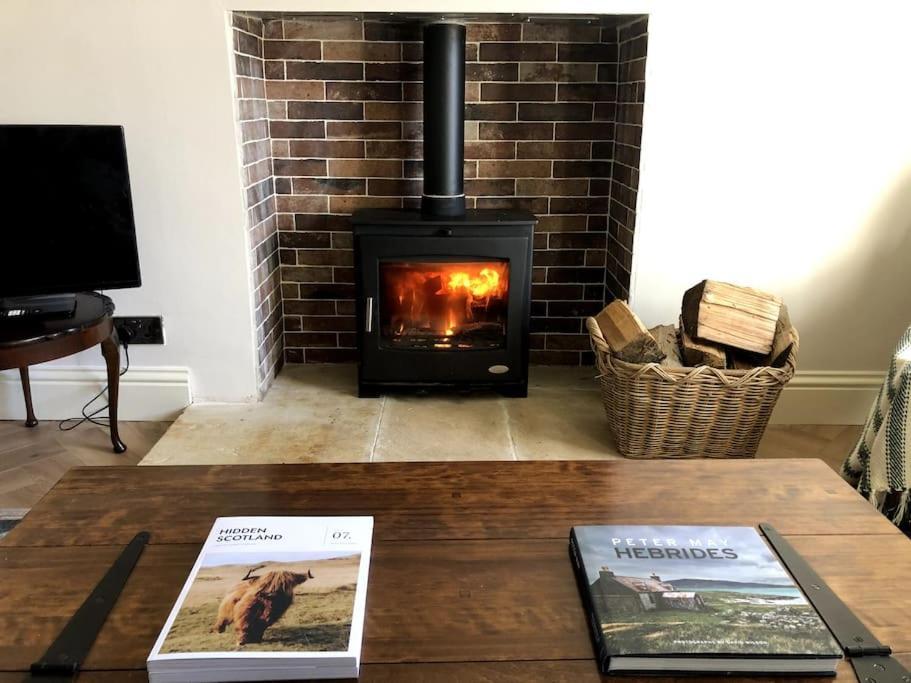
(776, 153)
(160, 68)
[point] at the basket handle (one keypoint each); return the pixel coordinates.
(599, 343)
(599, 346)
(790, 364)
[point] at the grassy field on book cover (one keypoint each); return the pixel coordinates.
(294, 602)
(663, 590)
(739, 621)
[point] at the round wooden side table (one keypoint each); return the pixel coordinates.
(25, 342)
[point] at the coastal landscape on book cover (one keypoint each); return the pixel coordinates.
(690, 590)
(268, 601)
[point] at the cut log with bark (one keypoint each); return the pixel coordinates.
(783, 340)
(701, 352)
(666, 336)
(741, 317)
(628, 338)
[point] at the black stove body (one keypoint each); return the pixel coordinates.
(443, 302)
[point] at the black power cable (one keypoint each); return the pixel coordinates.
(65, 426)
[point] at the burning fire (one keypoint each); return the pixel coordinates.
(444, 297)
(486, 284)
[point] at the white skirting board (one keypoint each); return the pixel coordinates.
(59, 392)
(828, 397)
(161, 393)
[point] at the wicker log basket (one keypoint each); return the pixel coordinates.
(655, 411)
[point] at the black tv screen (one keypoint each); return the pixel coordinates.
(66, 215)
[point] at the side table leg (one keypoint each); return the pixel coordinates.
(111, 352)
(30, 420)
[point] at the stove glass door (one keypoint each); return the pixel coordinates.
(443, 305)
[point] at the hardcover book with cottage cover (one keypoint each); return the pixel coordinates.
(696, 599)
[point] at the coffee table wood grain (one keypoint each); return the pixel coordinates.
(470, 578)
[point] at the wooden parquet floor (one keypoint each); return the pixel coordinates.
(32, 460)
(829, 443)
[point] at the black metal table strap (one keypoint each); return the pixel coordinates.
(63, 658)
(872, 661)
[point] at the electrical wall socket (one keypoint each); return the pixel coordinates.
(140, 330)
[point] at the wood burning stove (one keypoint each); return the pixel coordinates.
(443, 293)
(443, 302)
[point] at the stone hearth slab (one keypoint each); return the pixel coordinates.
(560, 424)
(423, 428)
(312, 414)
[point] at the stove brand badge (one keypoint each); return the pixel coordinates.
(498, 369)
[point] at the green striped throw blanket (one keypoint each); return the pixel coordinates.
(878, 466)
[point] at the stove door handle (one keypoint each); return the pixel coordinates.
(368, 323)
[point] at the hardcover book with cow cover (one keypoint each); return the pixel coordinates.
(691, 599)
(270, 598)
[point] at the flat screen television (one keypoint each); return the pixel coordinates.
(66, 222)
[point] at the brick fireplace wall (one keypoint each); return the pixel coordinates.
(344, 108)
(632, 38)
(259, 194)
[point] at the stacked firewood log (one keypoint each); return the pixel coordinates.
(721, 325)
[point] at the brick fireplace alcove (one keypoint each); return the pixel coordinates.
(329, 112)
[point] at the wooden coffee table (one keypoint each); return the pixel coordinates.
(470, 578)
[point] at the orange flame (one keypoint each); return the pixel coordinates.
(487, 283)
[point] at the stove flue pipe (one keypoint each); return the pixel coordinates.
(444, 120)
